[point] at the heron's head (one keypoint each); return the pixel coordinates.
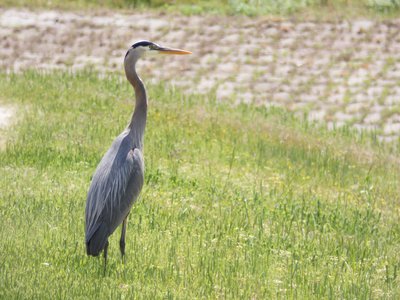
(140, 48)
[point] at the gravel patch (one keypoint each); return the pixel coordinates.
(6, 116)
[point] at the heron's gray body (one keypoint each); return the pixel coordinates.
(116, 184)
(119, 177)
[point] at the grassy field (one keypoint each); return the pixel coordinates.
(306, 8)
(238, 202)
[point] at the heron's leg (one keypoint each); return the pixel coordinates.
(105, 257)
(122, 240)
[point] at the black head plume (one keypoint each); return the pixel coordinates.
(142, 43)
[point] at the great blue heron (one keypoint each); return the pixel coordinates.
(118, 179)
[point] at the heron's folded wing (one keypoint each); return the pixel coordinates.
(112, 190)
(126, 196)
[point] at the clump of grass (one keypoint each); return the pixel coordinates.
(239, 202)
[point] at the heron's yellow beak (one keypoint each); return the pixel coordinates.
(164, 50)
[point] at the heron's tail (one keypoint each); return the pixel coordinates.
(97, 241)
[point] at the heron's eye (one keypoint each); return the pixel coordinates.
(152, 47)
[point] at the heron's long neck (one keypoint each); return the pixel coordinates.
(138, 121)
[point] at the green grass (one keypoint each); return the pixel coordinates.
(240, 202)
(315, 8)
